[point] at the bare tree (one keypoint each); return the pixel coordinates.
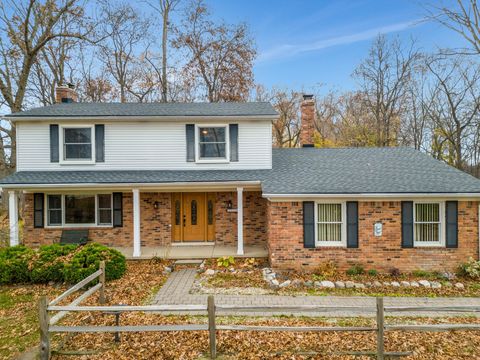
(464, 19)
(453, 107)
(220, 56)
(165, 8)
(383, 77)
(27, 28)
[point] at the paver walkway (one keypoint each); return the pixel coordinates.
(176, 291)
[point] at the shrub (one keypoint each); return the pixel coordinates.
(372, 272)
(50, 263)
(87, 260)
(326, 269)
(471, 269)
(395, 272)
(356, 269)
(14, 263)
(225, 261)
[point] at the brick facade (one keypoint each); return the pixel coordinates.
(156, 223)
(286, 251)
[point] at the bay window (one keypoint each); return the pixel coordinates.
(331, 225)
(79, 210)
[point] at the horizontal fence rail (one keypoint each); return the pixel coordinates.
(48, 324)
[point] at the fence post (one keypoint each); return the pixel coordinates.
(380, 330)
(212, 327)
(44, 324)
(102, 281)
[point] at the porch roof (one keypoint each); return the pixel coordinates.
(305, 171)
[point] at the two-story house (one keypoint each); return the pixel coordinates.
(156, 175)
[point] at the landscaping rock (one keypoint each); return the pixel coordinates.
(167, 270)
(386, 283)
(317, 284)
(405, 283)
(377, 283)
(328, 284)
(414, 284)
(275, 282)
(270, 276)
(308, 283)
(368, 284)
(436, 285)
(448, 284)
(210, 272)
(359, 286)
(340, 284)
(460, 286)
(266, 270)
(448, 275)
(232, 270)
(395, 284)
(296, 283)
(349, 284)
(285, 283)
(424, 283)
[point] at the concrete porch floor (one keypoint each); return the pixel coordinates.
(193, 251)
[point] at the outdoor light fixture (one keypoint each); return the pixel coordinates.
(156, 204)
(229, 204)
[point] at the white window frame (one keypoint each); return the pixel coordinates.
(62, 159)
(65, 225)
(343, 233)
(198, 159)
(441, 241)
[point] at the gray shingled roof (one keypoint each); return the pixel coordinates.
(299, 171)
(149, 109)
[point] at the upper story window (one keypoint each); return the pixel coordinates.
(428, 224)
(78, 144)
(213, 143)
(331, 225)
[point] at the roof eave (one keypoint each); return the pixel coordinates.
(141, 118)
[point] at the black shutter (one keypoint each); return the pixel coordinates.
(407, 224)
(38, 210)
(54, 157)
(117, 209)
(352, 224)
(190, 131)
(99, 143)
(233, 131)
(308, 224)
(451, 214)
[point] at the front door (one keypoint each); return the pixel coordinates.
(194, 225)
(193, 217)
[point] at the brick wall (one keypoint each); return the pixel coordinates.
(286, 251)
(155, 223)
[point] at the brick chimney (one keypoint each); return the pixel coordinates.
(66, 94)
(307, 109)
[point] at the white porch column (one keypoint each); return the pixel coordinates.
(13, 217)
(136, 223)
(239, 221)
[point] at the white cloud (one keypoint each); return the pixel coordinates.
(289, 50)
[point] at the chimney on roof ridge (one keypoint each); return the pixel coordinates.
(307, 130)
(65, 94)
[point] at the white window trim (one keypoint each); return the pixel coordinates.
(226, 159)
(64, 225)
(441, 242)
(62, 145)
(343, 242)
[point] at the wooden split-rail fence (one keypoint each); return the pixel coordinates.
(48, 322)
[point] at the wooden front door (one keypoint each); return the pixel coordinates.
(193, 217)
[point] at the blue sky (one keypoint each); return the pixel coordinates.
(304, 43)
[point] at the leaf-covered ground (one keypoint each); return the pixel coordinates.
(250, 276)
(141, 281)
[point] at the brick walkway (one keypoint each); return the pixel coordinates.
(177, 291)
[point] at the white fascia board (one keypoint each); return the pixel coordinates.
(142, 118)
(372, 196)
(177, 186)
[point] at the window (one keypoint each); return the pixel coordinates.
(54, 213)
(77, 143)
(193, 209)
(210, 212)
(212, 143)
(428, 224)
(79, 210)
(331, 229)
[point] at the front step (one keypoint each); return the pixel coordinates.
(188, 262)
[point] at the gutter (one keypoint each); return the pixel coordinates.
(389, 196)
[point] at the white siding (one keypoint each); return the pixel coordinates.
(144, 146)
